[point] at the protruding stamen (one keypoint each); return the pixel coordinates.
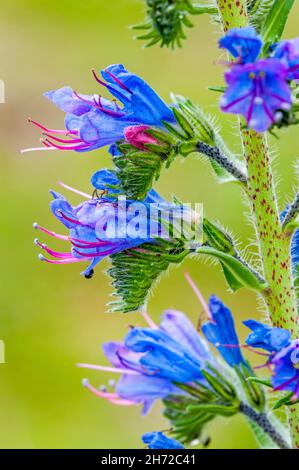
(117, 370)
(48, 232)
(70, 188)
(55, 254)
(92, 255)
(148, 319)
(198, 295)
(69, 219)
(59, 261)
(81, 146)
(35, 149)
(112, 397)
(118, 81)
(63, 141)
(52, 131)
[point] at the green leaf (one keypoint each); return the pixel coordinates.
(239, 273)
(275, 21)
(134, 273)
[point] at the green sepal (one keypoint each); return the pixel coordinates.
(183, 123)
(187, 423)
(216, 409)
(205, 129)
(134, 272)
(237, 273)
(260, 381)
(218, 238)
(218, 89)
(285, 401)
(137, 170)
(254, 392)
(220, 385)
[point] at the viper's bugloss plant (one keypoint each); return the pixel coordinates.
(201, 373)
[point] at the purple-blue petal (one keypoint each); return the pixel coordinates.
(266, 337)
(157, 440)
(242, 43)
(222, 334)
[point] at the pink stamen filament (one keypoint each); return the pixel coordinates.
(117, 370)
(47, 142)
(118, 81)
(87, 245)
(53, 253)
(63, 141)
(35, 149)
(285, 384)
(112, 397)
(198, 295)
(92, 255)
(148, 319)
(52, 234)
(61, 261)
(52, 131)
(73, 221)
(70, 188)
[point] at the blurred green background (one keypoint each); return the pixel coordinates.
(51, 317)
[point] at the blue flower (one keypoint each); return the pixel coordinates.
(242, 43)
(92, 121)
(265, 337)
(285, 376)
(257, 91)
(157, 440)
(283, 360)
(152, 361)
(288, 53)
(222, 334)
(103, 225)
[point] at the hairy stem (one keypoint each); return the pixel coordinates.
(215, 154)
(261, 419)
(274, 244)
(292, 212)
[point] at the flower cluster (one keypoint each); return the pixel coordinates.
(259, 89)
(172, 361)
(106, 224)
(153, 361)
(92, 121)
(283, 358)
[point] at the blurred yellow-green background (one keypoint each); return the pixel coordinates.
(51, 317)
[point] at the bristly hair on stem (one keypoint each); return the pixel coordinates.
(292, 212)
